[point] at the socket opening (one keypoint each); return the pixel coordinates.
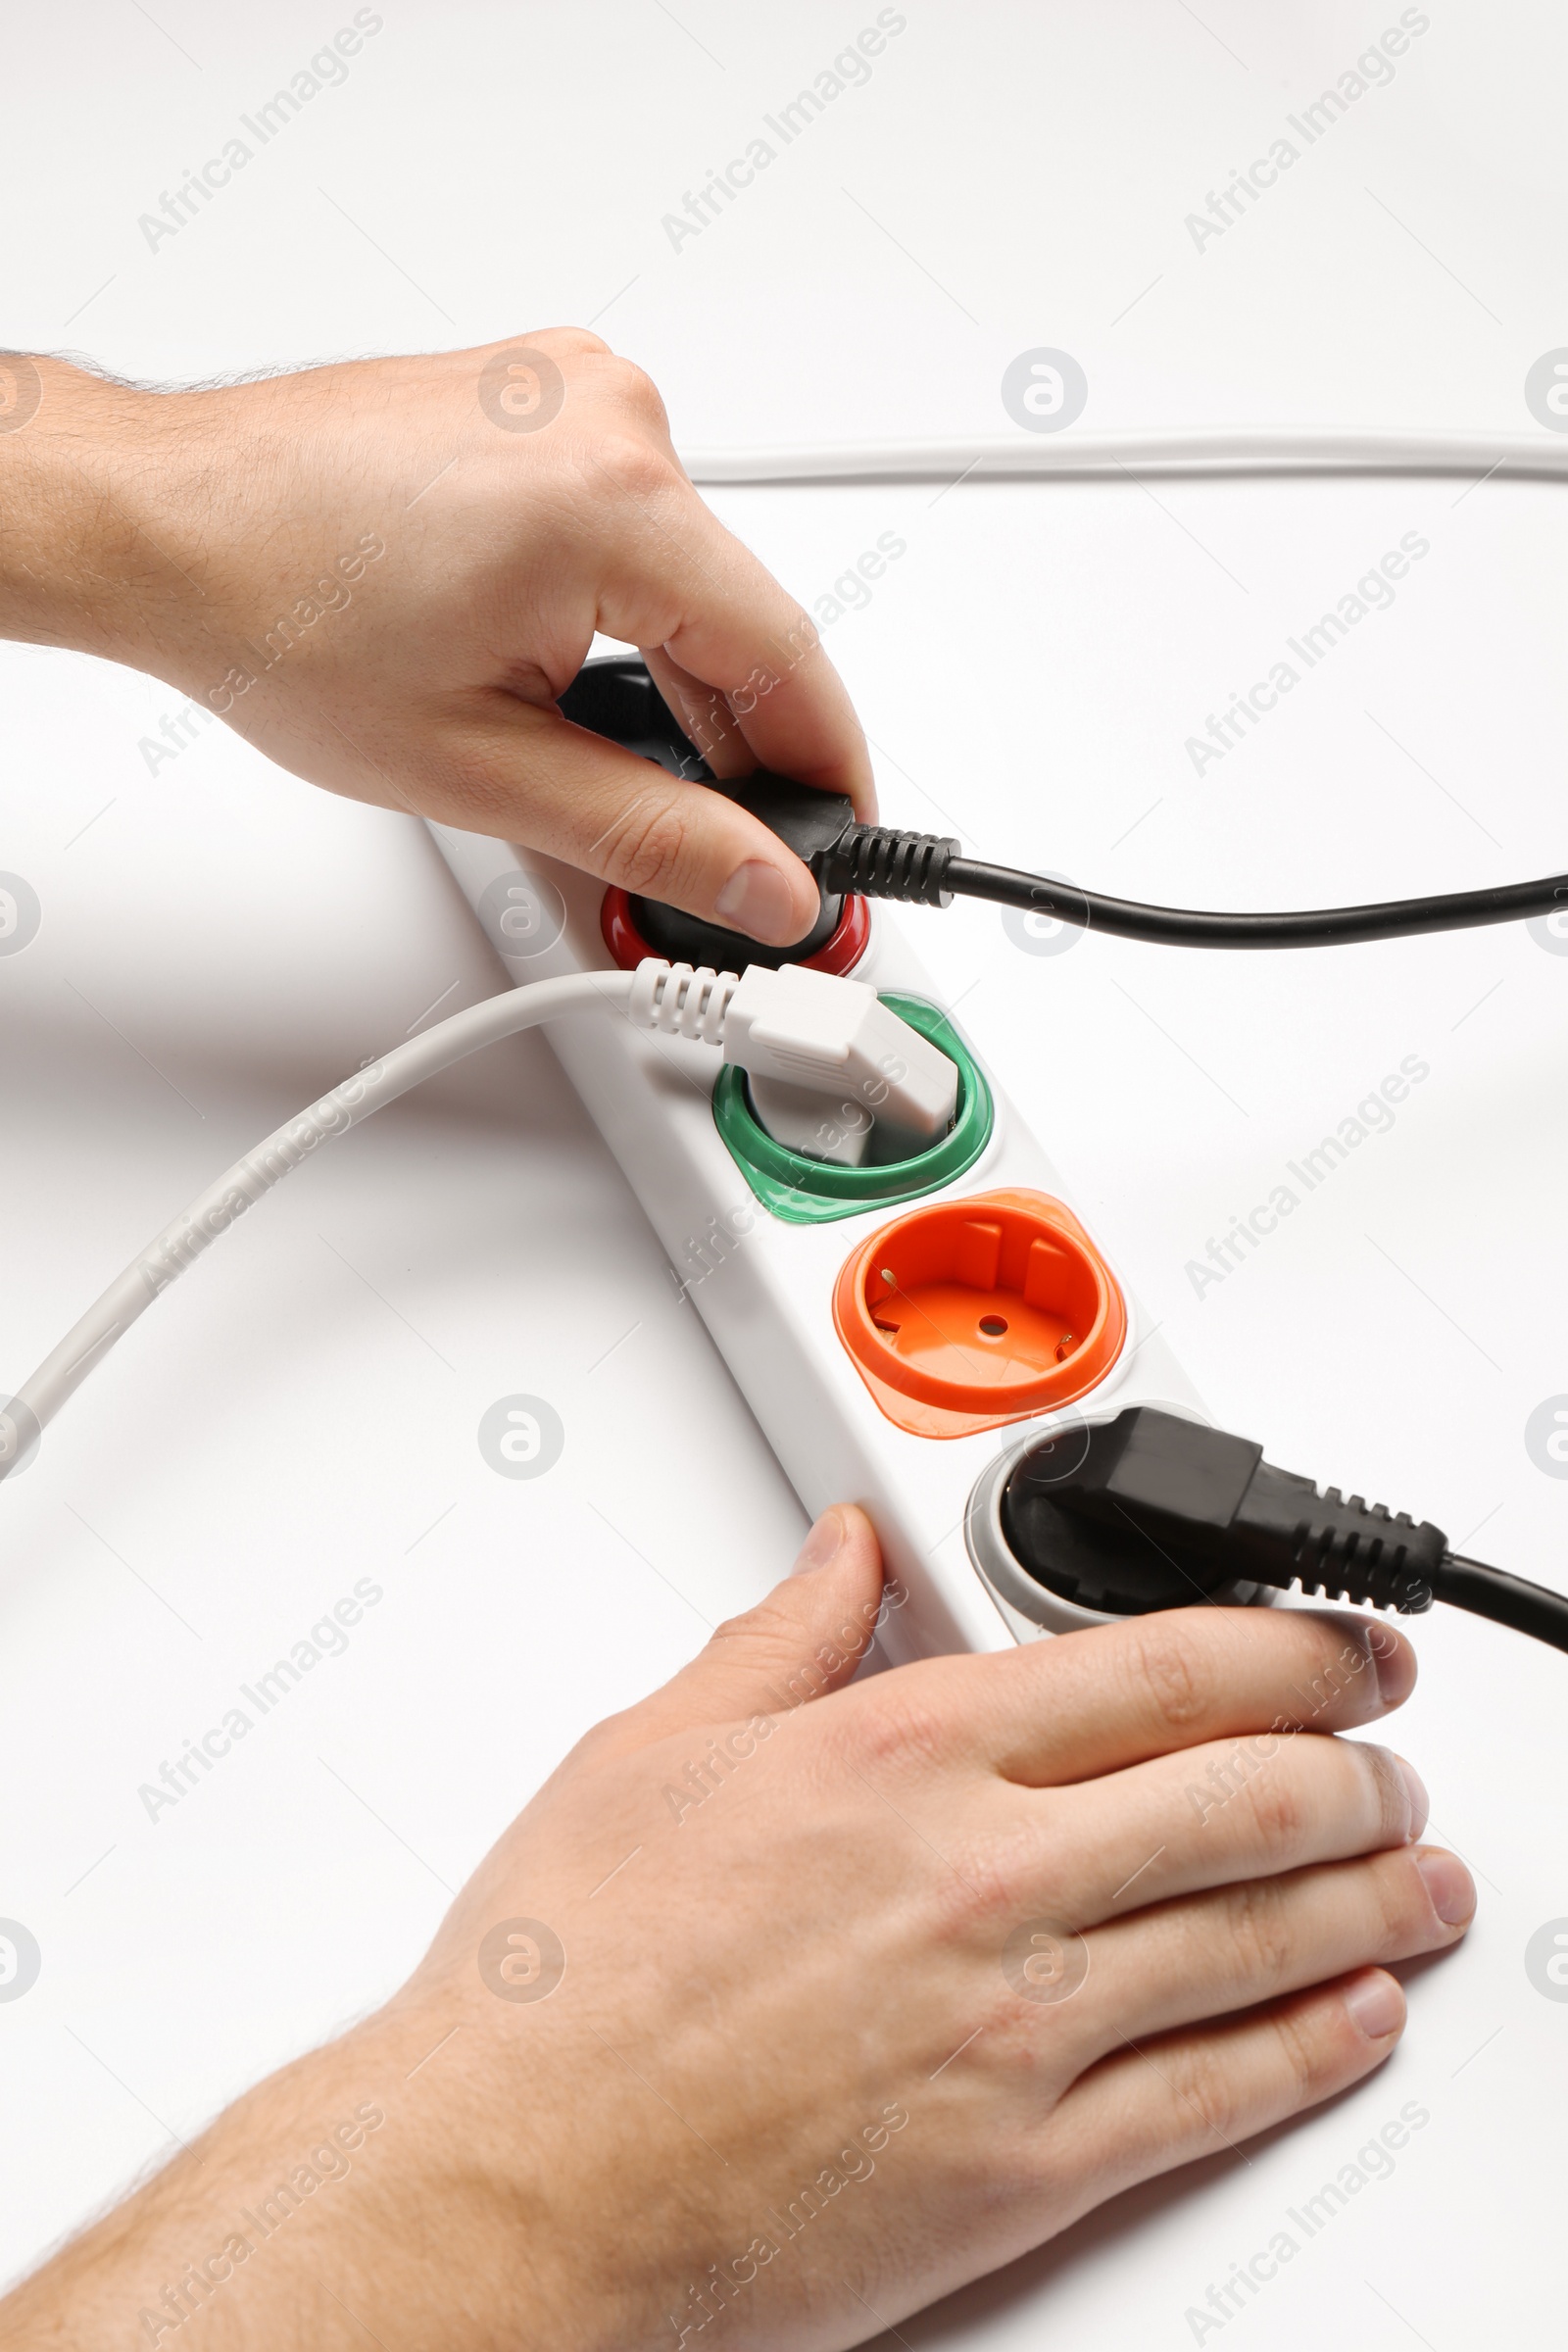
(971, 1314)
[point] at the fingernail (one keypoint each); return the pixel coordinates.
(1451, 1887)
(757, 901)
(1394, 1661)
(1376, 2003)
(821, 1543)
(1420, 1803)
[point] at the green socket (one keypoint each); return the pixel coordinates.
(813, 1191)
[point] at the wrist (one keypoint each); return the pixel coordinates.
(81, 564)
(472, 2184)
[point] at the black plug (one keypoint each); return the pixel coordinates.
(807, 821)
(618, 700)
(1150, 1511)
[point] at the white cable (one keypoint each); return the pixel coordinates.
(1227, 450)
(825, 1033)
(674, 1000)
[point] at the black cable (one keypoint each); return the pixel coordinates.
(1506, 1599)
(928, 870)
(1307, 927)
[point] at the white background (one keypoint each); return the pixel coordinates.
(219, 942)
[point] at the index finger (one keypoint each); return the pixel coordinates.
(1082, 1704)
(688, 585)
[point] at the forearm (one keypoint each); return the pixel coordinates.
(334, 2205)
(78, 466)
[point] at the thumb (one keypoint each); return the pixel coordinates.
(803, 1640)
(608, 813)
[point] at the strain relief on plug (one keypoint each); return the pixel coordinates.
(1336, 1547)
(880, 861)
(681, 1000)
(1364, 1553)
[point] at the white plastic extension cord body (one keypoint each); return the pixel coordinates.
(764, 1286)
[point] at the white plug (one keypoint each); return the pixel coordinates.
(827, 1059)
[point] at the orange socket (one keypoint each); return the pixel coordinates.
(971, 1314)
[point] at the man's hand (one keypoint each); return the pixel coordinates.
(383, 573)
(789, 2004)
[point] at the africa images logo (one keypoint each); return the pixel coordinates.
(522, 1960)
(521, 1436)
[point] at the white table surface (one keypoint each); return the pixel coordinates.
(219, 942)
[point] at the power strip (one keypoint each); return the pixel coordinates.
(765, 1285)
